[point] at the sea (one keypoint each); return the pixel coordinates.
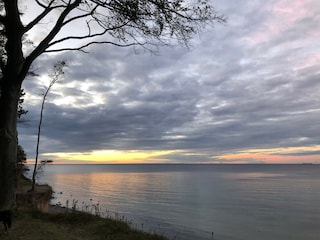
(196, 201)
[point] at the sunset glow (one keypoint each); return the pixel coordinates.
(294, 155)
(274, 155)
(106, 156)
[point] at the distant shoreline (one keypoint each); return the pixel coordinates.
(177, 164)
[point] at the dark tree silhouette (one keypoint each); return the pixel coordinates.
(145, 23)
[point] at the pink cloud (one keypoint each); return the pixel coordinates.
(283, 15)
(268, 158)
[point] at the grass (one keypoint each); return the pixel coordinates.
(35, 225)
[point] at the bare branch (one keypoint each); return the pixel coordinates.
(43, 45)
(81, 16)
(78, 37)
(88, 36)
(81, 48)
(40, 4)
(46, 11)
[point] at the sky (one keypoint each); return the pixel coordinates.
(245, 92)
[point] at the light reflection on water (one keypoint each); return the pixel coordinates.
(191, 202)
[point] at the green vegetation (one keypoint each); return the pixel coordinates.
(36, 225)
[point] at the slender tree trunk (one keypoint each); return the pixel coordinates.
(8, 143)
(35, 169)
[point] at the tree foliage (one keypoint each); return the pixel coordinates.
(147, 23)
(21, 111)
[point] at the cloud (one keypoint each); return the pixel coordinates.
(252, 83)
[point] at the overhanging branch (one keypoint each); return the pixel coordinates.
(89, 13)
(81, 48)
(88, 36)
(47, 9)
(129, 23)
(45, 42)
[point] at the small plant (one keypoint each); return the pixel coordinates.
(56, 76)
(74, 204)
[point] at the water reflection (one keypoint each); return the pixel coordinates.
(240, 203)
(253, 175)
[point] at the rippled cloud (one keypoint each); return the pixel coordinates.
(249, 84)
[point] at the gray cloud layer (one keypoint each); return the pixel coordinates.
(252, 83)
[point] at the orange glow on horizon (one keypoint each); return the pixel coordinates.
(106, 156)
(290, 155)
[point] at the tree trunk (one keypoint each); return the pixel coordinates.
(13, 72)
(8, 142)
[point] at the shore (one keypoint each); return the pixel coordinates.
(57, 209)
(54, 222)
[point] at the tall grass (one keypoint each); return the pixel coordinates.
(36, 225)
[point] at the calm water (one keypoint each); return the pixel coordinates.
(236, 202)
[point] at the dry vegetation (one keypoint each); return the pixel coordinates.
(36, 225)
